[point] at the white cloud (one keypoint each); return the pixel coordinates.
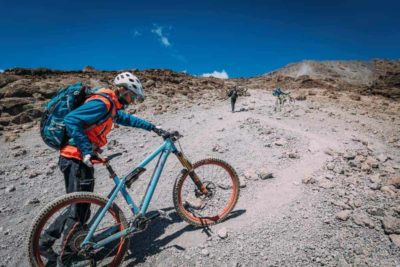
(1, 70)
(217, 74)
(136, 33)
(164, 41)
(158, 30)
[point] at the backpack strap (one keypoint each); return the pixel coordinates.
(109, 112)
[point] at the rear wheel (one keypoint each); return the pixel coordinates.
(49, 246)
(222, 184)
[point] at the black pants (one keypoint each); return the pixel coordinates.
(233, 101)
(78, 177)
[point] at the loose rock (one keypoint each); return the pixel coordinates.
(391, 225)
(343, 215)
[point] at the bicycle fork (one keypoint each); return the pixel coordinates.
(189, 167)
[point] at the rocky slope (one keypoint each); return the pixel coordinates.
(367, 77)
(333, 199)
(23, 92)
(320, 180)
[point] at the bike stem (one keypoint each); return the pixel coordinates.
(189, 167)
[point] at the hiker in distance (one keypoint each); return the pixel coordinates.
(233, 94)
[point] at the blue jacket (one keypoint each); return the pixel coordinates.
(90, 113)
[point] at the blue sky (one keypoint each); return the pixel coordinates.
(243, 38)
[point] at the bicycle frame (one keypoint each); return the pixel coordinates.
(164, 151)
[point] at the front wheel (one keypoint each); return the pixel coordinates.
(56, 234)
(222, 184)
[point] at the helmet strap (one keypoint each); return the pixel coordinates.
(121, 99)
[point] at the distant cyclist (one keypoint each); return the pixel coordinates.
(87, 130)
(281, 97)
(278, 92)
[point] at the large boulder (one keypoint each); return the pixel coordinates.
(20, 88)
(15, 105)
(27, 116)
(391, 225)
(6, 79)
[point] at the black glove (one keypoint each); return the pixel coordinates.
(160, 131)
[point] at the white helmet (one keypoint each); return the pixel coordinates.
(130, 82)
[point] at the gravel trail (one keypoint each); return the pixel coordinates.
(287, 220)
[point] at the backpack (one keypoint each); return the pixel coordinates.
(277, 92)
(52, 126)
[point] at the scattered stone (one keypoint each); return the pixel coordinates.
(383, 158)
(219, 149)
(309, 180)
(372, 162)
(293, 155)
(11, 137)
(222, 233)
(363, 220)
(374, 211)
(280, 142)
(343, 215)
(33, 174)
(330, 166)
(349, 155)
(205, 252)
(359, 158)
(375, 179)
(355, 203)
(375, 186)
(10, 188)
(329, 151)
(395, 239)
(263, 175)
(20, 153)
(242, 182)
(341, 204)
(326, 184)
(195, 203)
(250, 175)
(366, 167)
(329, 176)
(32, 201)
(391, 225)
(394, 181)
(388, 190)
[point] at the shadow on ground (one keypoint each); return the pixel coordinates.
(145, 244)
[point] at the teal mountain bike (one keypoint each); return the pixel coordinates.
(98, 233)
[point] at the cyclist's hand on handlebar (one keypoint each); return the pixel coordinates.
(161, 132)
(87, 160)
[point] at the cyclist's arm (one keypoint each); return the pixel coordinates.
(132, 121)
(87, 114)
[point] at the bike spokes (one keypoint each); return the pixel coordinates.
(222, 191)
(61, 231)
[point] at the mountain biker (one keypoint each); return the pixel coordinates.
(87, 131)
(278, 92)
(233, 94)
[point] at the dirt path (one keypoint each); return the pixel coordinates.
(278, 221)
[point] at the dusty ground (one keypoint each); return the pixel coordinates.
(333, 196)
